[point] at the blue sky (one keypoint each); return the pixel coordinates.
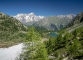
(41, 7)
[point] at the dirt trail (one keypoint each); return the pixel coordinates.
(44, 39)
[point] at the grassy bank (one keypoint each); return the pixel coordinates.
(8, 44)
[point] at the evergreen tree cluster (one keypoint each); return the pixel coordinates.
(70, 45)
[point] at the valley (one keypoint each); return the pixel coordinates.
(42, 40)
(41, 29)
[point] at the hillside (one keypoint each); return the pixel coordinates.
(68, 45)
(77, 20)
(10, 28)
(53, 22)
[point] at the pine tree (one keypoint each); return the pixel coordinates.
(32, 35)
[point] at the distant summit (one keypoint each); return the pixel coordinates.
(24, 18)
(70, 16)
(31, 17)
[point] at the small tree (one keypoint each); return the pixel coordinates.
(32, 35)
(59, 41)
(36, 49)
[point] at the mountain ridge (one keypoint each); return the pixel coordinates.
(30, 17)
(71, 16)
(51, 22)
(78, 19)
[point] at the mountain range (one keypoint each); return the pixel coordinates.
(25, 18)
(51, 22)
(70, 16)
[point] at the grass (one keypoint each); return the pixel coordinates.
(8, 44)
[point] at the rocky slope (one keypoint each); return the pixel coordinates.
(77, 20)
(53, 22)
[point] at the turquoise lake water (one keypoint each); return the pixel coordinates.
(53, 34)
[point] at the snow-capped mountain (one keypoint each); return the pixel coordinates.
(31, 17)
(59, 21)
(70, 16)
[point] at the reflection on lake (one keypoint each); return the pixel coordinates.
(11, 53)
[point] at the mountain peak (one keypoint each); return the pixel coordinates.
(70, 16)
(31, 17)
